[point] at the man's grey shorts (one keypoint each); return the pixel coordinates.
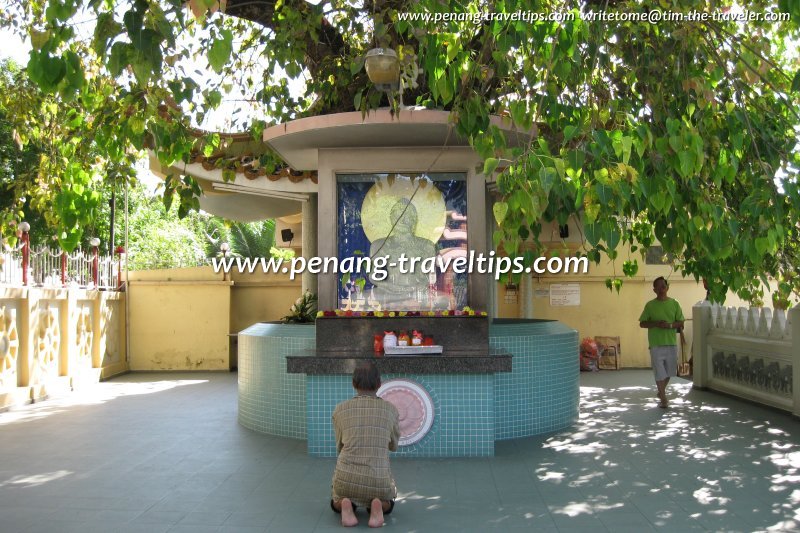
(665, 361)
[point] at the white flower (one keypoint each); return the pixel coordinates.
(293, 309)
(299, 301)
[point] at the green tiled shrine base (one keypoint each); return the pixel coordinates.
(471, 411)
(541, 393)
(463, 424)
(270, 400)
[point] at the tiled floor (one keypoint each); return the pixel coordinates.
(163, 452)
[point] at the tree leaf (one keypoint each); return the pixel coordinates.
(105, 30)
(593, 234)
(489, 165)
(500, 210)
(547, 178)
(686, 163)
(118, 58)
(569, 133)
(133, 21)
(46, 70)
(220, 51)
(74, 73)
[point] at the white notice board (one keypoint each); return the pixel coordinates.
(564, 294)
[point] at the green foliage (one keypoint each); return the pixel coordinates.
(158, 238)
(282, 253)
(641, 132)
(215, 233)
(50, 164)
(220, 51)
(255, 239)
(303, 310)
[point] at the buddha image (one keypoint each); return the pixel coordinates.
(402, 287)
(402, 216)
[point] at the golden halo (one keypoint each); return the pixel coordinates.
(386, 192)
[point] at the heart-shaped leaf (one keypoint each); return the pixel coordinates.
(500, 210)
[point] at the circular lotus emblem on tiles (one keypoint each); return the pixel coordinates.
(414, 405)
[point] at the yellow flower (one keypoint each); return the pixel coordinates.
(391, 313)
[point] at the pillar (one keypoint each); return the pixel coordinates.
(309, 241)
(701, 324)
(526, 294)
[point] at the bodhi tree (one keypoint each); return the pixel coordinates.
(54, 166)
(683, 131)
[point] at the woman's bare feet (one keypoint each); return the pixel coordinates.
(348, 515)
(375, 513)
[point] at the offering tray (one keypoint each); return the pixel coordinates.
(413, 350)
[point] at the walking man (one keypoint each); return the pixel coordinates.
(663, 319)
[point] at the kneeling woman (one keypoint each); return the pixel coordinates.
(366, 430)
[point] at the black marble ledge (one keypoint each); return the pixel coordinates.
(312, 364)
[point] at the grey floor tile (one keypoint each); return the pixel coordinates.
(169, 518)
(194, 528)
(114, 517)
(20, 519)
(205, 518)
(177, 460)
(250, 519)
(141, 528)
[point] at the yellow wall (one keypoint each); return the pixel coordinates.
(183, 319)
(179, 320)
(603, 312)
(261, 298)
(607, 313)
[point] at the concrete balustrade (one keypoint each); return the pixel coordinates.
(751, 353)
(56, 340)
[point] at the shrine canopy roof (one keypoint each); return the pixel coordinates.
(253, 194)
(298, 142)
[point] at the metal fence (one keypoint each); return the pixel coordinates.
(48, 267)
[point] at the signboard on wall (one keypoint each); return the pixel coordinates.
(565, 294)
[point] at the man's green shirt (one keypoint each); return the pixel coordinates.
(656, 310)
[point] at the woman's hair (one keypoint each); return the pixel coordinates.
(367, 377)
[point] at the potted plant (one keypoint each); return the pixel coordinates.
(303, 311)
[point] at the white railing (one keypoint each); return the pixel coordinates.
(751, 353)
(10, 268)
(45, 269)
